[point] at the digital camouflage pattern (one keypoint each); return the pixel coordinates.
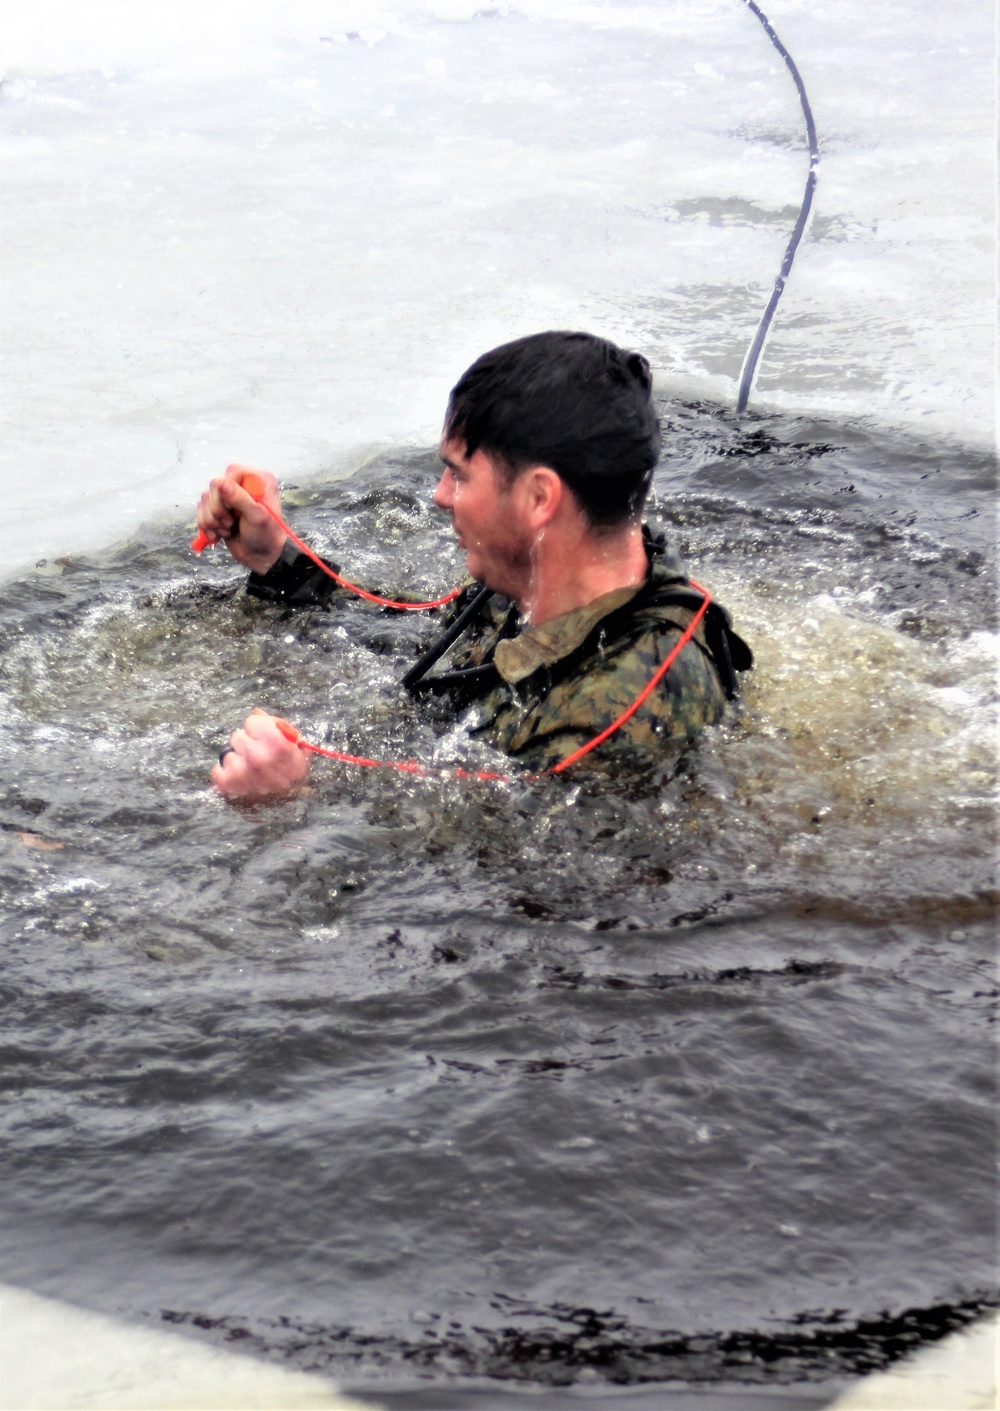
(558, 685)
(566, 681)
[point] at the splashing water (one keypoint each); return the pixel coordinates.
(676, 1074)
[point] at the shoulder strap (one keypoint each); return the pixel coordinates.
(463, 684)
(466, 683)
(727, 649)
(436, 651)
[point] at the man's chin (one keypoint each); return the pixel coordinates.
(479, 571)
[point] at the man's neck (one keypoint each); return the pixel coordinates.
(570, 572)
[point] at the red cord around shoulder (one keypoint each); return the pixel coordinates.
(255, 487)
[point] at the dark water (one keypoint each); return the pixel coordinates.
(683, 1076)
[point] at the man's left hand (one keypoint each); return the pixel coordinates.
(260, 762)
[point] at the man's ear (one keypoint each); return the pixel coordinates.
(540, 495)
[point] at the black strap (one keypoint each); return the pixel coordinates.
(728, 651)
(466, 683)
(727, 648)
(438, 649)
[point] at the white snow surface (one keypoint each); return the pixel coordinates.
(278, 232)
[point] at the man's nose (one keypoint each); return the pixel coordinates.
(442, 495)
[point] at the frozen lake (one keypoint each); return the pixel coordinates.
(277, 234)
(684, 1076)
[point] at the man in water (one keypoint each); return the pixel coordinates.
(548, 449)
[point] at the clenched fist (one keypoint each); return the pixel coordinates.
(260, 762)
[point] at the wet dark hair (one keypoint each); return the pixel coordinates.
(570, 401)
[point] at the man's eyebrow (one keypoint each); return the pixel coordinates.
(452, 465)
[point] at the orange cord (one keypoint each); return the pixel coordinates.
(256, 488)
(412, 767)
(408, 766)
(646, 691)
(344, 583)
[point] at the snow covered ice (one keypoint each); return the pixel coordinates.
(277, 233)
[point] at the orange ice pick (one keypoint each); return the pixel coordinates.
(254, 487)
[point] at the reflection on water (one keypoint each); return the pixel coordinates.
(684, 1074)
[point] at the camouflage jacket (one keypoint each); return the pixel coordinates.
(538, 693)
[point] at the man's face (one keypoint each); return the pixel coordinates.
(487, 518)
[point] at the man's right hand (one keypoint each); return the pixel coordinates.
(227, 512)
